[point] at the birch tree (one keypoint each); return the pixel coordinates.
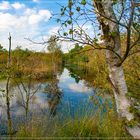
(109, 19)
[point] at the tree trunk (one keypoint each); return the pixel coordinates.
(117, 79)
(113, 44)
(9, 120)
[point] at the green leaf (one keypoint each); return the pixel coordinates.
(78, 8)
(70, 31)
(62, 13)
(70, 4)
(136, 25)
(65, 25)
(95, 39)
(65, 34)
(83, 2)
(71, 13)
(69, 22)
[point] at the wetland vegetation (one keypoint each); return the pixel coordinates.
(68, 98)
(92, 91)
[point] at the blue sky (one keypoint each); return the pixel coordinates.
(32, 19)
(28, 19)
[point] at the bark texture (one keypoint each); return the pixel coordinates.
(111, 33)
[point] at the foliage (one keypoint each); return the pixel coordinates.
(96, 73)
(91, 127)
(53, 46)
(2, 49)
(108, 127)
(3, 60)
(132, 71)
(86, 65)
(24, 62)
(79, 14)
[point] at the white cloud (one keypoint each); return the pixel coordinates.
(53, 30)
(46, 14)
(34, 19)
(36, 1)
(26, 24)
(4, 5)
(67, 45)
(64, 77)
(79, 88)
(7, 21)
(29, 11)
(22, 25)
(18, 5)
(38, 17)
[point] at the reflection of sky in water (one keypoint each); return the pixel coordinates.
(75, 100)
(76, 95)
(70, 87)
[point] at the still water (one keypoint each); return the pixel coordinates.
(64, 96)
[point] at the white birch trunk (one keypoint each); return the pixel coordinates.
(112, 41)
(116, 74)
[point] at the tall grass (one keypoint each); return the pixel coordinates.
(108, 126)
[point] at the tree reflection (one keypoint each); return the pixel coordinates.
(5, 94)
(101, 98)
(54, 95)
(75, 76)
(27, 91)
(9, 120)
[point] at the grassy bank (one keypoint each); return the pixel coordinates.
(25, 62)
(96, 73)
(108, 127)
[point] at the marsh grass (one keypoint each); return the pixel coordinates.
(109, 126)
(106, 126)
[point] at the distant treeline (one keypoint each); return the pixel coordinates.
(24, 61)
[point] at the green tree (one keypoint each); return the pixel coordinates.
(56, 54)
(109, 19)
(2, 49)
(53, 46)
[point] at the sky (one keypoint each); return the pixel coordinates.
(29, 19)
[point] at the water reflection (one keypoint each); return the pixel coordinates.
(9, 119)
(6, 107)
(26, 92)
(65, 95)
(54, 95)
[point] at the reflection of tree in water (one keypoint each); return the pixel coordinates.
(79, 73)
(75, 76)
(54, 94)
(27, 91)
(6, 107)
(101, 99)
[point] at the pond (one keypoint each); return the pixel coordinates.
(65, 96)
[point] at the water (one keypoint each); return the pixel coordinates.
(65, 96)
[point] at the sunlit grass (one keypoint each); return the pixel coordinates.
(107, 126)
